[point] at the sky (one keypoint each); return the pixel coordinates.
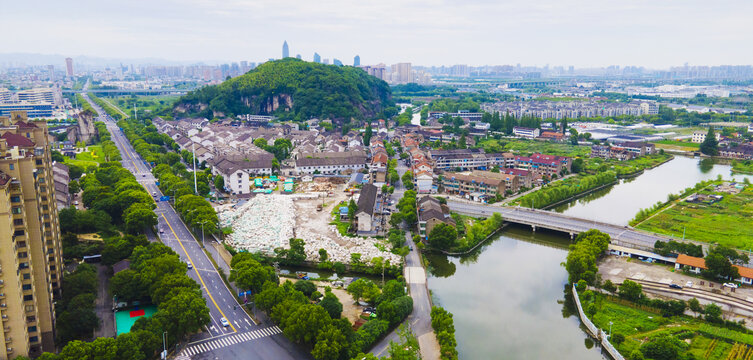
(583, 33)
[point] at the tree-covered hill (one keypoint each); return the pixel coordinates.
(293, 89)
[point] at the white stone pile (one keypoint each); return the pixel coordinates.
(336, 252)
(267, 222)
(263, 224)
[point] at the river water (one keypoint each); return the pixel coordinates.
(508, 297)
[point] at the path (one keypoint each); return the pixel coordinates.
(103, 305)
(114, 107)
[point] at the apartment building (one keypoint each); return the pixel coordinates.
(700, 136)
(479, 185)
(525, 132)
(330, 162)
(31, 264)
(544, 164)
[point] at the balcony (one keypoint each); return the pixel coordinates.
(4, 317)
(9, 350)
(2, 295)
(8, 340)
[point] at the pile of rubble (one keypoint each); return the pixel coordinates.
(267, 222)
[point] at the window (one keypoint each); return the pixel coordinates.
(44, 198)
(11, 166)
(16, 210)
(31, 318)
(28, 298)
(23, 255)
(39, 161)
(32, 329)
(27, 276)
(26, 286)
(23, 265)
(34, 339)
(29, 308)
(18, 233)
(18, 222)
(21, 244)
(15, 198)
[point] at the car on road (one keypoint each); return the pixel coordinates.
(675, 286)
(190, 266)
(730, 285)
(154, 193)
(161, 231)
(224, 322)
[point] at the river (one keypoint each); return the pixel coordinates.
(508, 297)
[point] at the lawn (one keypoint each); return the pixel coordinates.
(521, 146)
(92, 156)
(676, 145)
(143, 103)
(726, 222)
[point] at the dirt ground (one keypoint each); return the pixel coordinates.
(307, 218)
(351, 310)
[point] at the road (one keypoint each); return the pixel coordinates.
(415, 277)
(242, 339)
(621, 235)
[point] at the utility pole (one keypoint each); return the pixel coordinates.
(193, 155)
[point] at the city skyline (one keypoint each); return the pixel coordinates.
(579, 33)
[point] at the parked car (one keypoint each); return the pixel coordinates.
(730, 285)
(675, 286)
(224, 322)
(689, 284)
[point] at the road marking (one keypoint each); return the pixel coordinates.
(197, 271)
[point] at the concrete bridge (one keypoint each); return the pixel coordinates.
(542, 219)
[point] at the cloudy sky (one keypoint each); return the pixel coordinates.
(583, 33)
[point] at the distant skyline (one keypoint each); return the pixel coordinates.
(582, 33)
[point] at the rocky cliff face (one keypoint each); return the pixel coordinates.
(84, 129)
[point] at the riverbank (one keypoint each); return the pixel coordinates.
(565, 190)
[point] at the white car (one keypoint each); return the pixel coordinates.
(224, 322)
(190, 266)
(689, 284)
(730, 285)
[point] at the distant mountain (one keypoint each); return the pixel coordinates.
(293, 89)
(28, 59)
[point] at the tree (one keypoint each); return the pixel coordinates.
(332, 305)
(330, 341)
(631, 290)
(219, 183)
(126, 285)
(695, 305)
(305, 286)
(609, 286)
(443, 236)
(138, 217)
(717, 265)
(564, 126)
(408, 180)
(710, 146)
(367, 136)
(352, 209)
(297, 252)
(662, 347)
(249, 274)
(303, 323)
(323, 255)
(184, 313)
(363, 288)
(713, 313)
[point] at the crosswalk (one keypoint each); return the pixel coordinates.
(206, 346)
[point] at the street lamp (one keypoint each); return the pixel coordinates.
(202, 232)
(164, 345)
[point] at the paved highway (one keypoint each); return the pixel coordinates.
(621, 235)
(242, 338)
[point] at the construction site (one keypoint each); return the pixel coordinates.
(267, 221)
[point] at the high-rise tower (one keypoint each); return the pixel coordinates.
(285, 51)
(317, 58)
(357, 61)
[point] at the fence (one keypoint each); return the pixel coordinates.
(594, 331)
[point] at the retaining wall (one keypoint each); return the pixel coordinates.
(594, 331)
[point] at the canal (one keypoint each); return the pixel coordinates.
(508, 297)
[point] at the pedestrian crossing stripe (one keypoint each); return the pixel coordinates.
(229, 340)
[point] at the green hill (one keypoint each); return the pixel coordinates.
(293, 89)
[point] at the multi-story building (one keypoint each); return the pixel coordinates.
(32, 110)
(330, 163)
(544, 164)
(526, 132)
(5, 96)
(31, 264)
(69, 67)
(478, 185)
(37, 95)
(700, 136)
(430, 213)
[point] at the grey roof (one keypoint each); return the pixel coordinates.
(431, 208)
(330, 158)
(367, 200)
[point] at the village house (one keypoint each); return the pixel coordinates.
(430, 213)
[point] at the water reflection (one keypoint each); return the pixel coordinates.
(511, 297)
(706, 165)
